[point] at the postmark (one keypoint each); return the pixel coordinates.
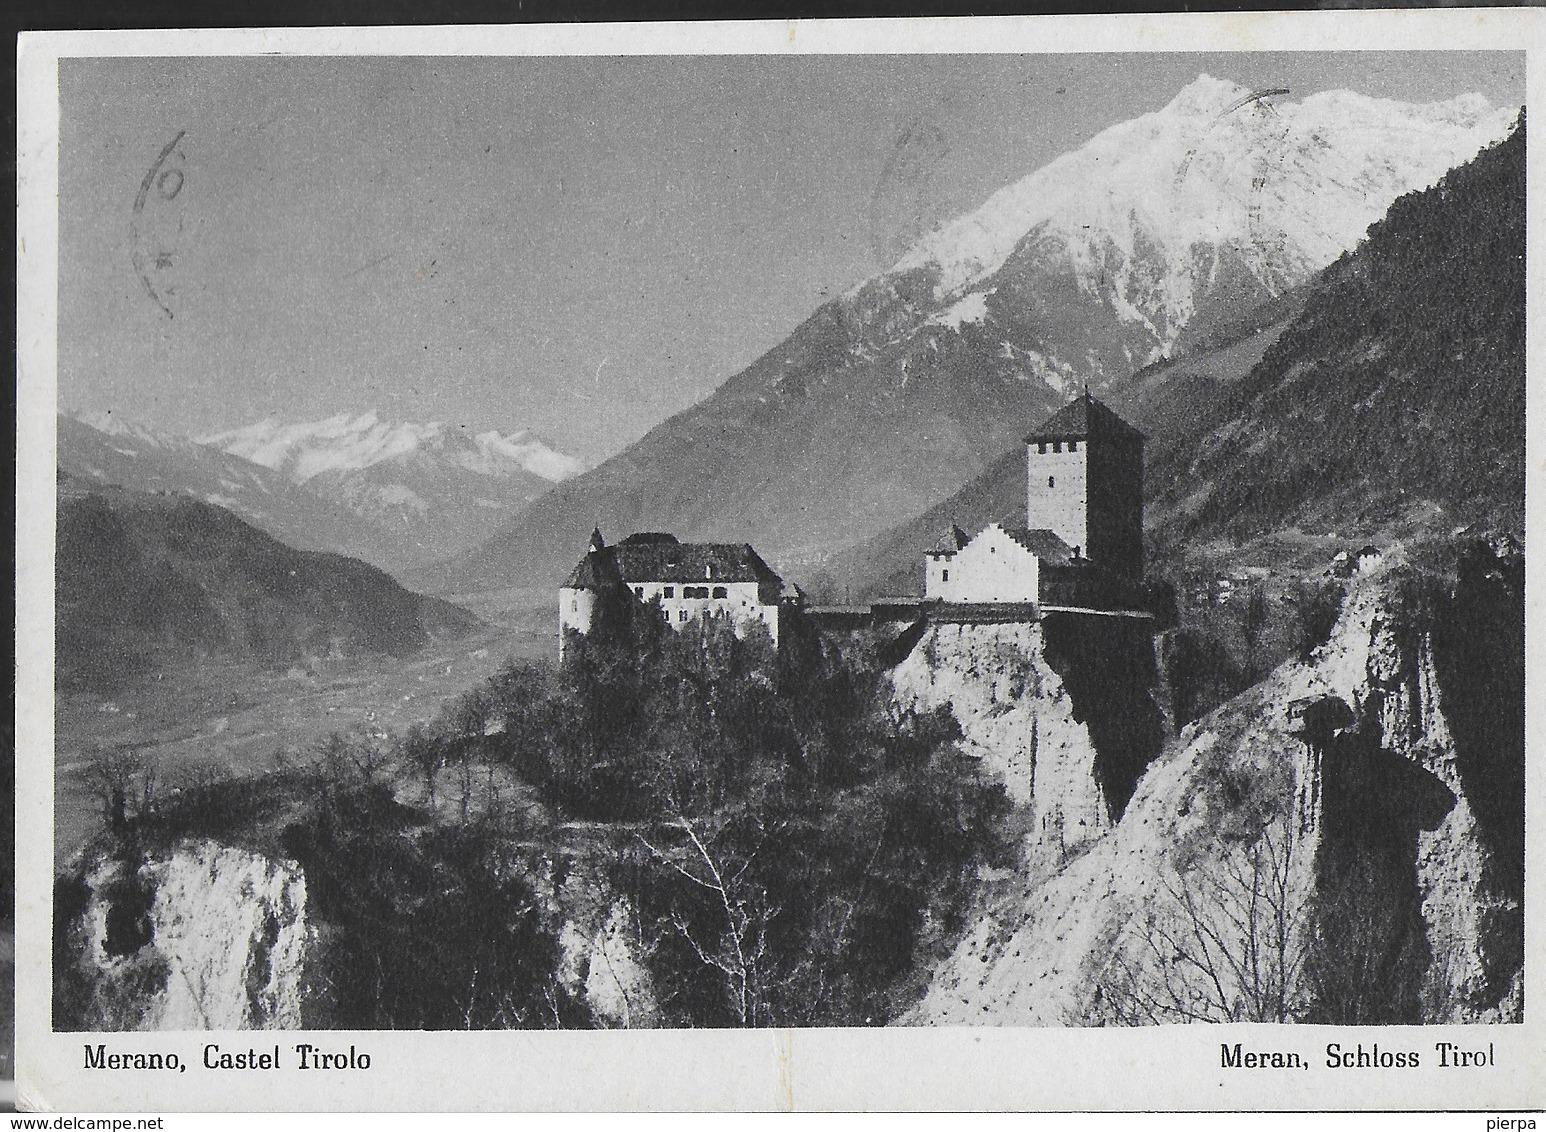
(156, 224)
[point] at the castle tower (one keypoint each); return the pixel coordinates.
(1085, 484)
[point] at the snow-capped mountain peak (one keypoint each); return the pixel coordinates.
(353, 442)
(116, 424)
(530, 452)
(1154, 238)
(1292, 184)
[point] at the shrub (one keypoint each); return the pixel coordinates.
(792, 839)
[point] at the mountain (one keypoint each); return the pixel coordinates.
(1164, 400)
(1141, 244)
(1396, 397)
(145, 580)
(1385, 393)
(109, 451)
(438, 489)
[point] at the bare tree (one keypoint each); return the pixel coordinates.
(1226, 942)
(360, 757)
(124, 782)
(466, 720)
(1370, 955)
(736, 947)
(464, 752)
(425, 754)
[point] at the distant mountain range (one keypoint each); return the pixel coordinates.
(1160, 237)
(435, 488)
(140, 459)
(396, 494)
(1387, 391)
(354, 443)
(147, 580)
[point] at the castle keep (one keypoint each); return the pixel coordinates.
(1082, 543)
(1084, 483)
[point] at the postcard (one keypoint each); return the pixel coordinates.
(896, 564)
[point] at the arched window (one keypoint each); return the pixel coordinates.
(944, 575)
(1052, 481)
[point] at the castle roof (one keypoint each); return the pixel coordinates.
(1042, 543)
(1082, 418)
(949, 542)
(640, 537)
(661, 558)
(597, 569)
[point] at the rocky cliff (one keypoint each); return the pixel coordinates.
(1335, 844)
(204, 936)
(200, 937)
(1062, 710)
(603, 967)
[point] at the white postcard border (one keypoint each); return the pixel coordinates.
(989, 1068)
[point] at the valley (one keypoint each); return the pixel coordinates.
(400, 495)
(215, 720)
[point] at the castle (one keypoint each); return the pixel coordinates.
(1081, 549)
(691, 581)
(1082, 543)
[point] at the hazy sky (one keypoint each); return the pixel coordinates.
(578, 246)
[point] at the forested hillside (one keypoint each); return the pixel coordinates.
(145, 579)
(1398, 393)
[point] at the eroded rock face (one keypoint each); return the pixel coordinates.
(1025, 695)
(204, 936)
(1016, 715)
(1337, 783)
(618, 988)
(602, 957)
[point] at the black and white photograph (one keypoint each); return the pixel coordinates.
(997, 540)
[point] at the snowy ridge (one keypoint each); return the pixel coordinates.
(115, 424)
(397, 495)
(1289, 185)
(353, 442)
